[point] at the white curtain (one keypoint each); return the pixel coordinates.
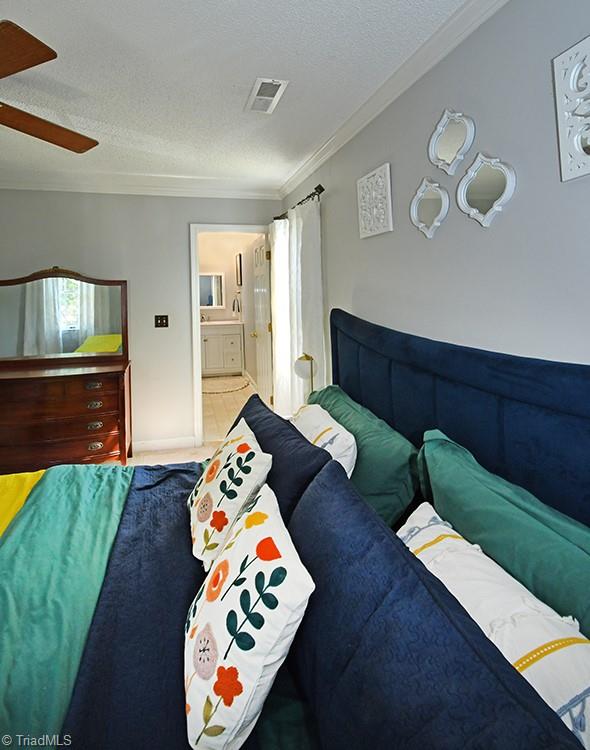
(282, 355)
(103, 323)
(297, 304)
(306, 259)
(95, 310)
(42, 332)
(87, 308)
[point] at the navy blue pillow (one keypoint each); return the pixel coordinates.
(386, 656)
(295, 461)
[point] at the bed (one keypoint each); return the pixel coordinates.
(527, 420)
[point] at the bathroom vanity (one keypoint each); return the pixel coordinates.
(222, 347)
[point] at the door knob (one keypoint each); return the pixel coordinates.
(254, 334)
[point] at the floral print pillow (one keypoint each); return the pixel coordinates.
(241, 624)
(233, 476)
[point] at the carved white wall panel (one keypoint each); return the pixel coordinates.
(571, 71)
(374, 202)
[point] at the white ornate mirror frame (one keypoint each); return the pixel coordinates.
(427, 184)
(571, 72)
(510, 176)
(449, 116)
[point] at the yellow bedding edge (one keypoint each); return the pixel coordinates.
(109, 342)
(14, 490)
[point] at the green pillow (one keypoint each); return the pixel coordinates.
(383, 471)
(547, 551)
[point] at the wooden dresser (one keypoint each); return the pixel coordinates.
(65, 391)
(74, 414)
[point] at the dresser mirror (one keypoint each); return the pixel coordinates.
(212, 290)
(61, 315)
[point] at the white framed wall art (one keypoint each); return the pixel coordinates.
(374, 202)
(571, 73)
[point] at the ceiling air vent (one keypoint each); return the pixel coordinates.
(266, 94)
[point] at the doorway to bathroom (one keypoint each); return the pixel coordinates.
(231, 324)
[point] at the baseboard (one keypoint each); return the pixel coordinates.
(251, 379)
(167, 444)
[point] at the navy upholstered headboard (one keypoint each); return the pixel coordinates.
(527, 420)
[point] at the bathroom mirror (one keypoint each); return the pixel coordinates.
(451, 140)
(429, 207)
(485, 188)
(212, 290)
(60, 314)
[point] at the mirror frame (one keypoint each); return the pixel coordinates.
(428, 230)
(480, 160)
(214, 307)
(58, 360)
(449, 116)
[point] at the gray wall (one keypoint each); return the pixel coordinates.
(520, 286)
(146, 241)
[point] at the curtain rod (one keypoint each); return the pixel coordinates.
(315, 193)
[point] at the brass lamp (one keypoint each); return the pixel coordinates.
(304, 368)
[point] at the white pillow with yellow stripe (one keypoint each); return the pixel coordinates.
(548, 650)
(321, 429)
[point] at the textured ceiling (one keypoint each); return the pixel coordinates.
(162, 84)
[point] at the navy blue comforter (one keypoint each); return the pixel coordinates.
(129, 692)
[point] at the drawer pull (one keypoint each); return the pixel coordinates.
(95, 425)
(93, 385)
(94, 404)
(95, 446)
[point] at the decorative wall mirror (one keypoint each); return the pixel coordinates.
(485, 188)
(451, 140)
(571, 72)
(429, 207)
(62, 315)
(212, 290)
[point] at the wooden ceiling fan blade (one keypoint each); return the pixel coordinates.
(47, 131)
(20, 50)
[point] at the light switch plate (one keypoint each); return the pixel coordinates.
(161, 321)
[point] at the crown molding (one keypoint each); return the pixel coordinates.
(129, 184)
(463, 23)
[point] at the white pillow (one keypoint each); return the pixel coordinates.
(240, 626)
(548, 650)
(321, 429)
(236, 472)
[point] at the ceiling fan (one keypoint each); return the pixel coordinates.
(19, 51)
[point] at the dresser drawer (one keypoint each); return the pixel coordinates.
(91, 386)
(32, 390)
(58, 429)
(51, 388)
(61, 451)
(35, 411)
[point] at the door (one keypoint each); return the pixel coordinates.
(262, 323)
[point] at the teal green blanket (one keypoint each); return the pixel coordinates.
(53, 559)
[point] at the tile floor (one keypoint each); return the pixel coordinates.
(219, 413)
(221, 409)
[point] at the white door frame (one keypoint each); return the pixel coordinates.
(195, 230)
